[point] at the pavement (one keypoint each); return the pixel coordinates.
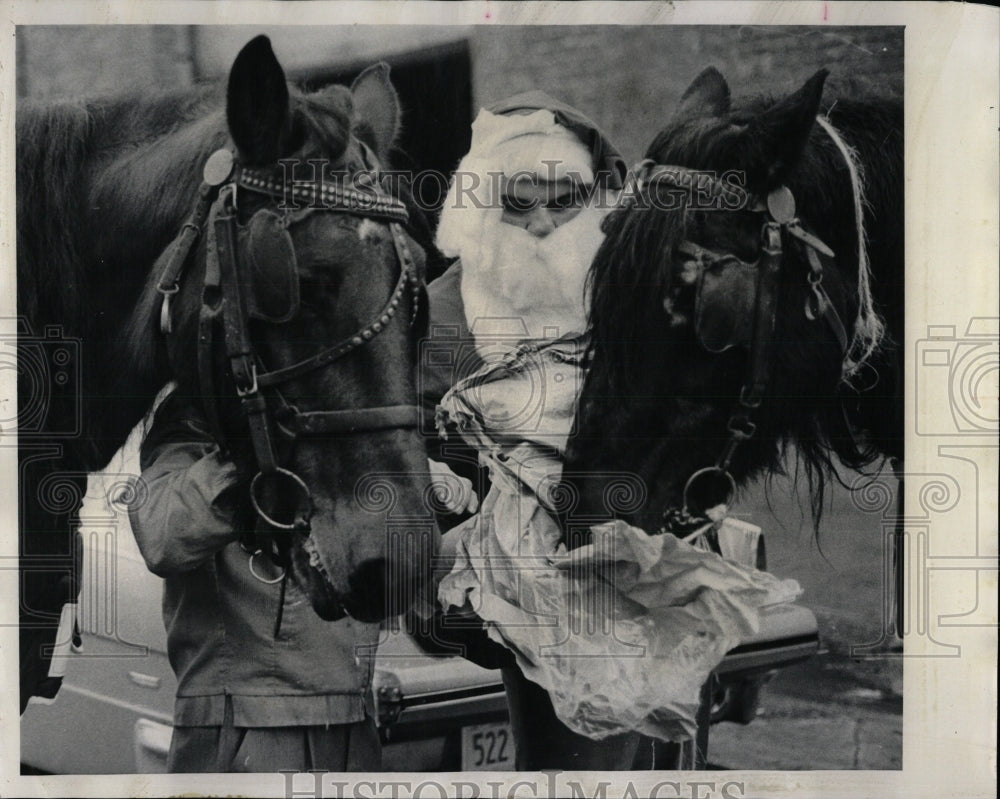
(828, 713)
(834, 711)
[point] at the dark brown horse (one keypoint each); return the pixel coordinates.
(322, 305)
(733, 315)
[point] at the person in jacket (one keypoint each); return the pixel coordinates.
(252, 695)
(247, 699)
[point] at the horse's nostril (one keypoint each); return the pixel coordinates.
(371, 593)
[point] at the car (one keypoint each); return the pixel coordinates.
(435, 713)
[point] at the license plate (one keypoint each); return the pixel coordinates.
(487, 747)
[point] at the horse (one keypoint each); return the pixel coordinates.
(242, 246)
(733, 314)
(748, 298)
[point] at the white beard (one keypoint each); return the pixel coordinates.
(517, 286)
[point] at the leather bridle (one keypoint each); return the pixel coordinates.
(778, 210)
(224, 302)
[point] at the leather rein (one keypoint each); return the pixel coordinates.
(224, 300)
(778, 209)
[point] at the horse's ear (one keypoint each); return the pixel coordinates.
(376, 109)
(257, 102)
(783, 129)
(708, 95)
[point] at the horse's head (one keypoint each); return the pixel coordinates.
(716, 303)
(297, 325)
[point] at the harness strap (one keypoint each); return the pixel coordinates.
(368, 202)
(239, 349)
(819, 304)
(409, 268)
(740, 426)
(171, 262)
(355, 420)
(211, 307)
(238, 346)
(766, 307)
(648, 172)
(255, 408)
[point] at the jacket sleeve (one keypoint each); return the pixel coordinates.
(189, 505)
(448, 353)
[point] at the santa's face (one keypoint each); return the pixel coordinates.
(528, 235)
(538, 204)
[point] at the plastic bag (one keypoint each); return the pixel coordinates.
(621, 633)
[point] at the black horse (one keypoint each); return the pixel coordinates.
(730, 315)
(733, 315)
(327, 297)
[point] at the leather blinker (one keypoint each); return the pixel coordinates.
(724, 305)
(272, 291)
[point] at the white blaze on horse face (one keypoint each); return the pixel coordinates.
(370, 231)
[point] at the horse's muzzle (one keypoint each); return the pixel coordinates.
(379, 589)
(322, 596)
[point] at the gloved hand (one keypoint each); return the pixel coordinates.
(453, 492)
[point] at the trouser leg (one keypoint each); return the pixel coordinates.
(194, 750)
(333, 747)
(544, 742)
(337, 747)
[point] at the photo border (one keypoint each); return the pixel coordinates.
(951, 91)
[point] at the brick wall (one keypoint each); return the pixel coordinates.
(630, 79)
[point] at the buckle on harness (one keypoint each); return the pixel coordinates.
(245, 392)
(166, 325)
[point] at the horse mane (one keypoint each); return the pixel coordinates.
(633, 265)
(53, 143)
(62, 148)
(103, 185)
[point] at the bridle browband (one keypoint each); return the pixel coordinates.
(223, 299)
(778, 209)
